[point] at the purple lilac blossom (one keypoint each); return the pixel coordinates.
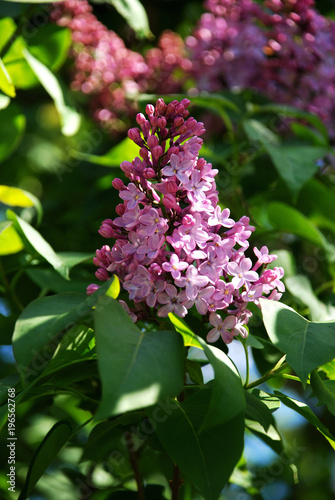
(281, 48)
(169, 256)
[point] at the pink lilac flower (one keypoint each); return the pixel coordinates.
(171, 257)
(221, 327)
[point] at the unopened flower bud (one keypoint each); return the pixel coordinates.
(140, 118)
(149, 109)
(120, 209)
(118, 183)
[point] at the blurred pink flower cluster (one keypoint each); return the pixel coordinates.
(175, 247)
(282, 48)
(112, 73)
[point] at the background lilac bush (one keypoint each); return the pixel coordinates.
(193, 146)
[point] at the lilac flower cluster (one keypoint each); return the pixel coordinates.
(175, 246)
(113, 74)
(282, 48)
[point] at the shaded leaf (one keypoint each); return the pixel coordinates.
(53, 442)
(12, 126)
(37, 328)
(301, 288)
(257, 410)
(307, 345)
(227, 387)
(324, 390)
(137, 368)
(307, 413)
(206, 457)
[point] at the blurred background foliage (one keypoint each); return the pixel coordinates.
(73, 190)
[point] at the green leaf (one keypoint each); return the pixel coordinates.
(329, 369)
(114, 289)
(41, 325)
(301, 288)
(70, 119)
(283, 218)
(38, 243)
(77, 345)
(307, 345)
(6, 84)
(271, 437)
(257, 410)
(135, 15)
(324, 390)
(10, 241)
(126, 150)
(195, 373)
(7, 30)
(205, 456)
(106, 438)
(284, 111)
(19, 70)
(295, 164)
(53, 442)
(12, 126)
(16, 197)
(269, 400)
(257, 131)
(50, 45)
(286, 260)
(307, 413)
(72, 259)
(317, 201)
(137, 368)
(227, 387)
(181, 327)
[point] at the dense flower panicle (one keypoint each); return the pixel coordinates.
(175, 247)
(284, 49)
(112, 73)
(104, 66)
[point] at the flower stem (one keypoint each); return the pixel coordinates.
(280, 366)
(247, 366)
(175, 483)
(134, 463)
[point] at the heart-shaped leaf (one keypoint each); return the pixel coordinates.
(307, 344)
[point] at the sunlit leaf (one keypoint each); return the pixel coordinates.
(135, 15)
(16, 197)
(70, 119)
(38, 243)
(6, 84)
(182, 328)
(10, 241)
(126, 150)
